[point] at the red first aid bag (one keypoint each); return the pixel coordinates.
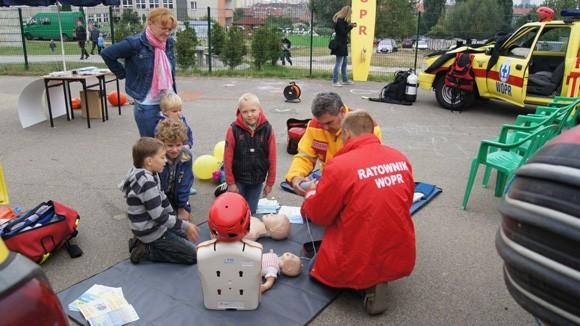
(42, 230)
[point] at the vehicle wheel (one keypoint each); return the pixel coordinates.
(452, 99)
(28, 36)
(65, 38)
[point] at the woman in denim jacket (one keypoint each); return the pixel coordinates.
(149, 67)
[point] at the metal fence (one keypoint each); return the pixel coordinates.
(26, 35)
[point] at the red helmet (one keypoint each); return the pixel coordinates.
(545, 14)
(229, 217)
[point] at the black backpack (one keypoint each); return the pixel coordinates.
(394, 92)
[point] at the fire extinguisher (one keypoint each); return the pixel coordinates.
(411, 87)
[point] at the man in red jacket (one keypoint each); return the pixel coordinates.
(363, 200)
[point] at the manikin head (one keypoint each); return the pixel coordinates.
(277, 226)
(290, 264)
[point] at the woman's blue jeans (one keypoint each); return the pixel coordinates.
(146, 117)
(340, 62)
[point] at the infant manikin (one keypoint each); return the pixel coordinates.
(288, 264)
(275, 226)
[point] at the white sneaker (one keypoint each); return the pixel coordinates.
(348, 82)
(337, 84)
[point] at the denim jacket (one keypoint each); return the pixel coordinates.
(178, 191)
(139, 61)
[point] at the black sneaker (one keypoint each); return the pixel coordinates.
(220, 189)
(375, 300)
(137, 250)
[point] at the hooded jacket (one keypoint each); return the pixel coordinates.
(363, 200)
(149, 211)
(230, 148)
(177, 179)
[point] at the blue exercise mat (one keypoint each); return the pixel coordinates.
(428, 190)
(171, 294)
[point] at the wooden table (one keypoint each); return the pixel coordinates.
(65, 78)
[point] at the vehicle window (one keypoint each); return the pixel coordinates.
(45, 21)
(520, 43)
(553, 39)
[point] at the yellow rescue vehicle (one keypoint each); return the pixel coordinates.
(530, 66)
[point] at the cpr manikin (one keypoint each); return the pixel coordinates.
(288, 264)
(230, 266)
(275, 226)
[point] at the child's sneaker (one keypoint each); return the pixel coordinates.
(348, 82)
(337, 84)
(375, 300)
(192, 191)
(137, 250)
(220, 189)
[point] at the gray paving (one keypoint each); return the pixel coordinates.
(458, 275)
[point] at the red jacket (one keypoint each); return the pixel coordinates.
(231, 146)
(363, 200)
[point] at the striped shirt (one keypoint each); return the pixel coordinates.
(149, 211)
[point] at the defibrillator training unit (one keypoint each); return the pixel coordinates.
(385, 174)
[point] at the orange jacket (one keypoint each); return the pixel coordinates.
(316, 144)
(363, 200)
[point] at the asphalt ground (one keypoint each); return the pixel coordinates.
(458, 274)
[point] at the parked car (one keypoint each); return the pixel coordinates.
(519, 69)
(422, 45)
(387, 45)
(26, 297)
(407, 43)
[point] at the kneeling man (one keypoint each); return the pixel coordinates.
(363, 200)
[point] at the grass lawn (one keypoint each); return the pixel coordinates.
(402, 58)
(41, 48)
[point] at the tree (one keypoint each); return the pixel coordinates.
(401, 21)
(530, 17)
(238, 14)
(433, 11)
(558, 5)
(473, 19)
(234, 48)
(265, 46)
(506, 10)
(218, 36)
(279, 22)
(185, 47)
(325, 9)
(129, 24)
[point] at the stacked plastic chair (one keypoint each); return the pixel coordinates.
(539, 239)
(517, 142)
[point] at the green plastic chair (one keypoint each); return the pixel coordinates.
(530, 123)
(506, 157)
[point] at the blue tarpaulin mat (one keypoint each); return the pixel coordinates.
(171, 294)
(429, 192)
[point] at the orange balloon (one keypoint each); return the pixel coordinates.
(76, 103)
(115, 98)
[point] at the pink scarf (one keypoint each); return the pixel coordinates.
(162, 78)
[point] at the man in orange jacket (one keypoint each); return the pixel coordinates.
(363, 201)
(321, 140)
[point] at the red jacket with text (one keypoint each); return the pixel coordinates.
(363, 200)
